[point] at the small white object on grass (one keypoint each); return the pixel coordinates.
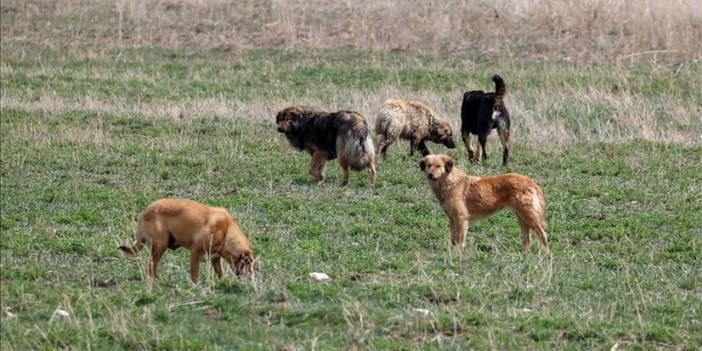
(320, 277)
(61, 313)
(422, 311)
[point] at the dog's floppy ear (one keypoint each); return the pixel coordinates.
(448, 163)
(422, 164)
(297, 112)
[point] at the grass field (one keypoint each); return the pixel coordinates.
(106, 106)
(90, 137)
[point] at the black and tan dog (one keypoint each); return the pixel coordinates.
(413, 121)
(482, 112)
(466, 198)
(204, 230)
(328, 135)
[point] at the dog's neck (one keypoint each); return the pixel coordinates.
(235, 244)
(444, 185)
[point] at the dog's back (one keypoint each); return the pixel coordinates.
(476, 112)
(318, 131)
(478, 108)
(334, 132)
(162, 216)
(402, 118)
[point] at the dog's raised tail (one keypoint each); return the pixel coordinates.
(500, 89)
(133, 250)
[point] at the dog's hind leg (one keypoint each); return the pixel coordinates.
(503, 132)
(345, 167)
(466, 141)
(532, 218)
(157, 250)
(526, 236)
(482, 139)
(371, 174)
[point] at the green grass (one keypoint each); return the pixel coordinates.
(154, 74)
(625, 219)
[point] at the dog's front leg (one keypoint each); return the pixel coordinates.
(413, 147)
(458, 231)
(466, 141)
(319, 159)
(383, 146)
(195, 256)
(218, 266)
(423, 148)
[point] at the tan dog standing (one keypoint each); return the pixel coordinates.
(465, 198)
(413, 121)
(172, 223)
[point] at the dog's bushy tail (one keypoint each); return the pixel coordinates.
(133, 250)
(542, 208)
(500, 89)
(358, 148)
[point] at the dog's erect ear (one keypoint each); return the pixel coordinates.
(422, 164)
(448, 163)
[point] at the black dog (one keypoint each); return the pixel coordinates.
(481, 113)
(328, 135)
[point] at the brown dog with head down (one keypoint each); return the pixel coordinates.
(465, 198)
(413, 121)
(172, 223)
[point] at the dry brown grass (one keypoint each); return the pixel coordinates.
(588, 29)
(632, 117)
